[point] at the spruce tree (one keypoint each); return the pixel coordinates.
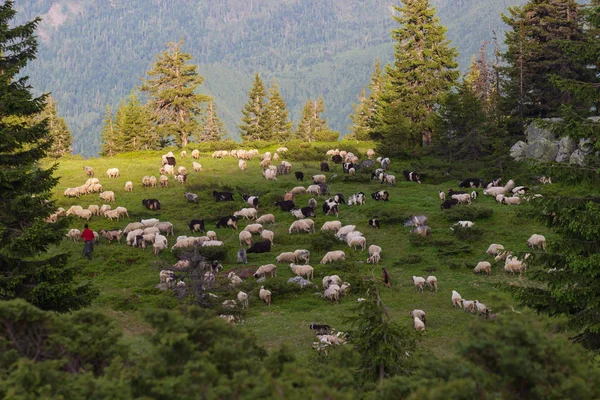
(212, 127)
(173, 100)
(59, 131)
(135, 127)
(254, 120)
(311, 121)
(279, 126)
(26, 269)
(110, 135)
(424, 70)
(360, 129)
(534, 50)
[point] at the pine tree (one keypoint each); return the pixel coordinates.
(311, 121)
(59, 131)
(535, 50)
(360, 129)
(212, 127)
(134, 124)
(278, 124)
(26, 269)
(424, 70)
(110, 135)
(173, 100)
(253, 120)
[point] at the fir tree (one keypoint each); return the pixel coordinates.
(424, 70)
(212, 127)
(278, 124)
(311, 121)
(59, 131)
(534, 51)
(134, 124)
(253, 126)
(26, 269)
(110, 135)
(173, 100)
(360, 129)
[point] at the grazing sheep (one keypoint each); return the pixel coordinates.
(160, 243)
(149, 222)
(265, 295)
(333, 226)
(502, 256)
(263, 270)
(464, 198)
(286, 257)
(242, 165)
(107, 196)
(514, 201)
(419, 282)
(267, 235)
(494, 249)
(537, 241)
(302, 270)
(432, 283)
(164, 181)
(513, 266)
(333, 256)
(374, 258)
(442, 195)
(319, 179)
(332, 293)
(197, 166)
(111, 235)
(456, 299)
(298, 190)
(74, 234)
(245, 238)
(254, 228)
(462, 224)
(481, 308)
(344, 231)
(270, 174)
(71, 192)
(468, 305)
(419, 325)
(299, 226)
(266, 219)
(302, 256)
(243, 299)
(314, 189)
(94, 209)
(165, 227)
(483, 266)
(129, 186)
(358, 241)
(112, 172)
(418, 314)
(212, 235)
(247, 213)
(195, 154)
(234, 279)
(111, 214)
(89, 171)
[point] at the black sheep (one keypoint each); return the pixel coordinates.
(151, 204)
(260, 247)
(227, 221)
(337, 159)
(285, 205)
(374, 223)
(448, 204)
(308, 211)
(299, 175)
(411, 176)
(222, 196)
(471, 183)
(197, 225)
(324, 167)
(171, 161)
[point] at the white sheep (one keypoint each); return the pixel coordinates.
(243, 299)
(111, 214)
(74, 234)
(299, 190)
(197, 166)
(112, 172)
(468, 305)
(211, 243)
(212, 235)
(270, 175)
(299, 226)
(374, 258)
(302, 270)
(464, 198)
(494, 249)
(254, 228)
(462, 224)
(456, 299)
(370, 154)
(442, 195)
(265, 295)
(164, 181)
(286, 257)
(333, 256)
(483, 266)
(419, 325)
(242, 165)
(418, 314)
(333, 226)
(502, 256)
(314, 189)
(331, 280)
(358, 241)
(71, 192)
(481, 308)
(319, 178)
(159, 245)
(344, 230)
(332, 293)
(109, 195)
(302, 255)
(267, 235)
(245, 238)
(247, 213)
(310, 223)
(164, 275)
(419, 282)
(94, 209)
(537, 241)
(196, 154)
(515, 201)
(432, 282)
(129, 186)
(234, 279)
(263, 270)
(266, 219)
(149, 222)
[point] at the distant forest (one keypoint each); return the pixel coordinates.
(93, 53)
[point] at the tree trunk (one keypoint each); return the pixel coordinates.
(381, 372)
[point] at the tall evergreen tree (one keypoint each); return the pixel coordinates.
(212, 127)
(311, 121)
(110, 135)
(59, 131)
(360, 129)
(253, 126)
(173, 100)
(26, 269)
(534, 51)
(134, 124)
(278, 124)
(424, 70)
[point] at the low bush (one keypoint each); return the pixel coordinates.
(468, 234)
(468, 213)
(324, 241)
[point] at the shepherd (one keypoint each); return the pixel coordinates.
(88, 241)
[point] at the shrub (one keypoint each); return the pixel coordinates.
(410, 259)
(327, 136)
(213, 253)
(468, 213)
(455, 249)
(468, 234)
(324, 241)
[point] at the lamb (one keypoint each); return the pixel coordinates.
(243, 299)
(129, 186)
(374, 258)
(108, 196)
(299, 226)
(419, 282)
(494, 249)
(245, 238)
(160, 243)
(302, 270)
(254, 228)
(456, 299)
(419, 325)
(266, 219)
(111, 235)
(247, 213)
(263, 270)
(333, 256)
(302, 256)
(537, 241)
(464, 198)
(356, 241)
(515, 201)
(483, 266)
(333, 226)
(265, 295)
(74, 234)
(482, 309)
(112, 172)
(432, 282)
(418, 314)
(197, 166)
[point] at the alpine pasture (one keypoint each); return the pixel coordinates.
(127, 276)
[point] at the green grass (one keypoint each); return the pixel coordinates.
(127, 276)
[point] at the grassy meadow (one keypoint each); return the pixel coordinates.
(127, 276)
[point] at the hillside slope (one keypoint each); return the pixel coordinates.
(94, 52)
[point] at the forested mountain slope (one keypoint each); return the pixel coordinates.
(94, 52)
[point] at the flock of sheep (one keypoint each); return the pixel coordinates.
(154, 233)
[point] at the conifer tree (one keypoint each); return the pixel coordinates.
(254, 120)
(110, 135)
(279, 126)
(360, 129)
(534, 50)
(311, 121)
(212, 127)
(424, 69)
(134, 124)
(173, 100)
(26, 269)
(59, 131)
